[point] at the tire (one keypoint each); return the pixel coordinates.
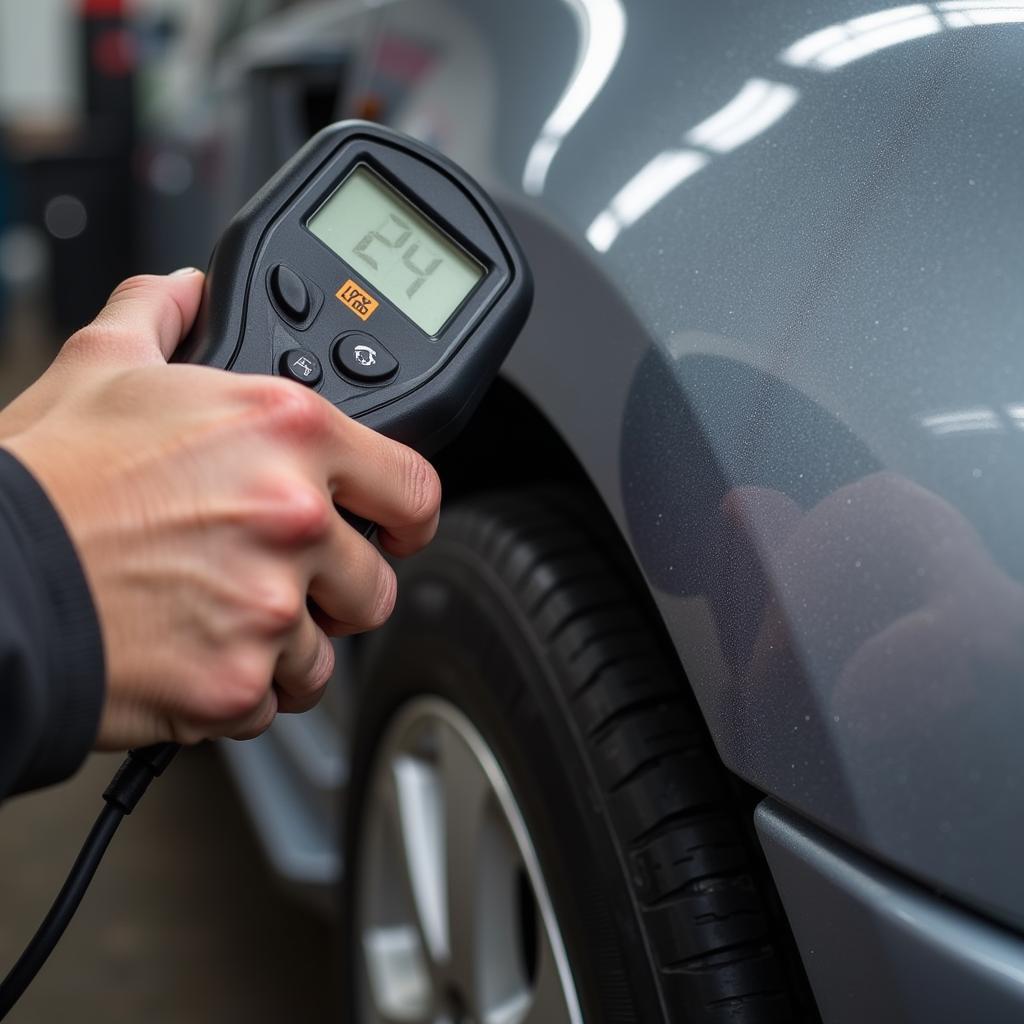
(525, 617)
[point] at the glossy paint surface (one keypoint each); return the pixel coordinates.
(929, 962)
(779, 319)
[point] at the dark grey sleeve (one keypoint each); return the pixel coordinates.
(51, 649)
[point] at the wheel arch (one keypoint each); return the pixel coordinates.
(510, 441)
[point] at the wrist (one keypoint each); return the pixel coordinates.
(60, 607)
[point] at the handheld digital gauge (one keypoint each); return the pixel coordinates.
(375, 271)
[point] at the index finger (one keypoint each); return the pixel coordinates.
(386, 482)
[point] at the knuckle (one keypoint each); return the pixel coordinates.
(306, 514)
(323, 669)
(83, 338)
(188, 734)
(423, 489)
(283, 506)
(385, 596)
(109, 339)
(87, 341)
(278, 606)
(239, 687)
(131, 284)
(259, 723)
(291, 409)
(248, 687)
(120, 318)
(305, 692)
(258, 392)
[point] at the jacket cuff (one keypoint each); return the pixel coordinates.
(69, 631)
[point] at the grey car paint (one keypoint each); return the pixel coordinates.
(877, 949)
(778, 317)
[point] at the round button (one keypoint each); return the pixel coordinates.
(290, 293)
(362, 357)
(302, 365)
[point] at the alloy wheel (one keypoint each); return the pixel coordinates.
(454, 919)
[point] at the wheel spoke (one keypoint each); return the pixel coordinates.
(513, 1010)
(455, 921)
(397, 971)
(420, 806)
(465, 795)
(398, 982)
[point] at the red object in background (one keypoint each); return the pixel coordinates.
(114, 52)
(96, 167)
(102, 8)
(368, 108)
(110, 52)
(403, 59)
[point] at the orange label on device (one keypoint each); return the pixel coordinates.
(361, 302)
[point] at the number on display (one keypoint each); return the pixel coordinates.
(400, 231)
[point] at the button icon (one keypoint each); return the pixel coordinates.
(365, 355)
(301, 365)
(361, 357)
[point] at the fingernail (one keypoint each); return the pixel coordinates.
(181, 271)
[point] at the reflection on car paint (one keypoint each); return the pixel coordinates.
(602, 31)
(761, 103)
(655, 180)
(962, 421)
(753, 110)
(845, 42)
(838, 45)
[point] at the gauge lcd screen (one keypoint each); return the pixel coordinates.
(370, 226)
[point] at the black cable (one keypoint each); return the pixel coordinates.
(137, 771)
(63, 908)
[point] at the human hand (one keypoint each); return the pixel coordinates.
(201, 504)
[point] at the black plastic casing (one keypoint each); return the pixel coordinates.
(440, 379)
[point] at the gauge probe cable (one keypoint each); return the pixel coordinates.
(131, 780)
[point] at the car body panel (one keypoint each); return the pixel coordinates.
(878, 949)
(779, 265)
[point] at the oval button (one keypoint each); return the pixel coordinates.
(362, 357)
(290, 293)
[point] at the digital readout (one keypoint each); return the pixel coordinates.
(370, 226)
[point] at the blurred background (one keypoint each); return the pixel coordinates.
(115, 121)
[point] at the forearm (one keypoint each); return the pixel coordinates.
(51, 654)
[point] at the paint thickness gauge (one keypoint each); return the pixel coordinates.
(374, 271)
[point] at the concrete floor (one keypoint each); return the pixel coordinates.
(183, 922)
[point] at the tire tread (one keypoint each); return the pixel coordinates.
(666, 795)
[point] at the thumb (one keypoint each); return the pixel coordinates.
(147, 316)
